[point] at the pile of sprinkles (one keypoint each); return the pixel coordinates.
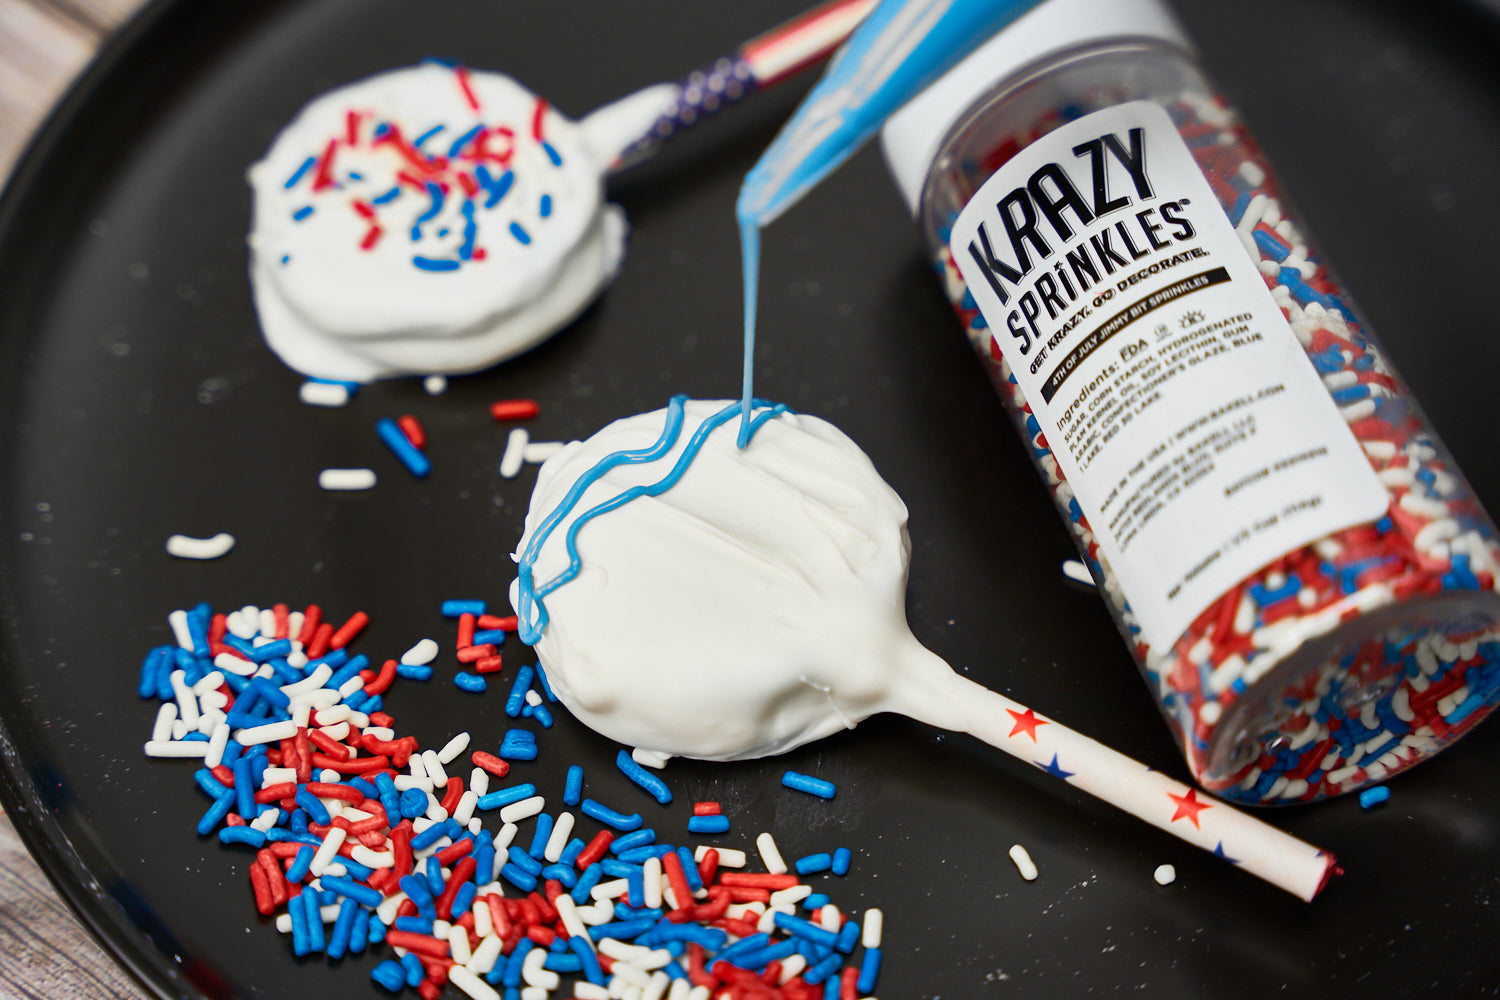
(364, 841)
(1374, 707)
(457, 176)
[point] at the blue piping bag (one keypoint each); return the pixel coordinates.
(899, 49)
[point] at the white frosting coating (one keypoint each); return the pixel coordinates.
(335, 257)
(756, 605)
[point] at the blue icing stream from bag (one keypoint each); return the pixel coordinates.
(898, 50)
(902, 46)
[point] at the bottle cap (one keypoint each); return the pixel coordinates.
(911, 137)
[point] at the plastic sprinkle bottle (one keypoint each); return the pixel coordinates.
(1303, 575)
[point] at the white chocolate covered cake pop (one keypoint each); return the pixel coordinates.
(433, 219)
(695, 598)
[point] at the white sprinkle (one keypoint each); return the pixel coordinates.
(540, 451)
(1074, 569)
(217, 741)
(489, 949)
(421, 654)
(187, 547)
(1165, 875)
(770, 855)
(650, 758)
(558, 842)
(179, 621)
(435, 385)
(1023, 861)
(346, 479)
(327, 850)
(458, 944)
(525, 809)
(176, 748)
(434, 767)
(464, 811)
(453, 748)
(729, 857)
(874, 927)
(533, 973)
(324, 394)
(161, 732)
(461, 977)
(515, 452)
(271, 732)
(230, 663)
(479, 781)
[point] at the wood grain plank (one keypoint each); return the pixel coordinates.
(44, 953)
(41, 50)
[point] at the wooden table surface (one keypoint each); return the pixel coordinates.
(44, 953)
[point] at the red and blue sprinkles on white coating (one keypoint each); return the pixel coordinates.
(363, 840)
(474, 170)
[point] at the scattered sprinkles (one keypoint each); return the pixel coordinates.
(361, 841)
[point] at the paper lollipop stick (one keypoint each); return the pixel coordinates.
(698, 599)
(762, 62)
(1127, 784)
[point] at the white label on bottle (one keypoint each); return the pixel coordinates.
(1198, 438)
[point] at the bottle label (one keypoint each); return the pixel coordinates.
(1199, 440)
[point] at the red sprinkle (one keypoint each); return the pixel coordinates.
(412, 428)
(538, 117)
(489, 664)
(466, 86)
(311, 618)
(514, 409)
(349, 630)
(489, 762)
(471, 654)
(706, 809)
(507, 624)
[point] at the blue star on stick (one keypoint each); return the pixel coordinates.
(1219, 850)
(1055, 769)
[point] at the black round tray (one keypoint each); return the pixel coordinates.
(139, 401)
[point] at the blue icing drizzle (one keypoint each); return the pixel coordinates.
(531, 607)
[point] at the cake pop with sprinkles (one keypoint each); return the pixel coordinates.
(433, 219)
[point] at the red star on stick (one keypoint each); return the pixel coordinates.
(1026, 721)
(1188, 806)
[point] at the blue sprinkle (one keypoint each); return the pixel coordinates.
(552, 154)
(811, 864)
(653, 784)
(1372, 797)
(389, 975)
(416, 462)
(497, 187)
(414, 925)
(518, 744)
(456, 607)
(541, 835)
(415, 972)
(573, 786)
(807, 783)
(842, 859)
(816, 901)
(242, 835)
(421, 139)
(471, 230)
(386, 197)
(506, 796)
(435, 193)
(518, 877)
(607, 816)
(516, 700)
(869, 971)
(216, 813)
(457, 146)
(343, 928)
(300, 172)
(640, 838)
(519, 858)
(708, 824)
(428, 264)
(297, 870)
(302, 213)
(466, 681)
(521, 235)
(490, 636)
(414, 671)
(545, 208)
